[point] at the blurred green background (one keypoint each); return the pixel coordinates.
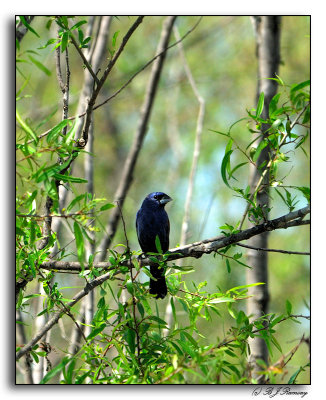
(221, 56)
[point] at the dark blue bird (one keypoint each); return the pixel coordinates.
(152, 221)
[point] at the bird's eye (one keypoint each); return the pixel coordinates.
(156, 197)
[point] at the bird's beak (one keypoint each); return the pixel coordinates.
(165, 199)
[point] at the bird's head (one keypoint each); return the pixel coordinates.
(157, 199)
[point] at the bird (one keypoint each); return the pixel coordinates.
(152, 221)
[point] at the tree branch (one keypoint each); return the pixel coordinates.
(83, 140)
(86, 63)
(197, 249)
(274, 250)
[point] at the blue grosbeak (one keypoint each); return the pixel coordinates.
(152, 221)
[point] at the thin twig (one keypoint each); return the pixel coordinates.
(52, 215)
(86, 63)
(58, 69)
(124, 227)
(274, 250)
(89, 111)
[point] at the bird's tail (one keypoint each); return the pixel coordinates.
(158, 287)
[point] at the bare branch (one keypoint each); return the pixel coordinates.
(83, 140)
(86, 63)
(274, 250)
(58, 69)
(46, 229)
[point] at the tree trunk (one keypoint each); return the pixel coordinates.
(267, 29)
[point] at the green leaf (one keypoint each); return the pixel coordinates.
(55, 370)
(277, 124)
(173, 309)
(220, 133)
(276, 343)
(228, 148)
(158, 245)
(245, 286)
(237, 167)
(71, 133)
(260, 105)
(273, 104)
(78, 25)
(260, 147)
(157, 319)
(114, 38)
(107, 206)
(30, 199)
(141, 309)
(288, 306)
(68, 178)
(130, 337)
(79, 242)
(300, 86)
(228, 265)
(224, 166)
(187, 348)
(50, 41)
(56, 130)
(69, 373)
(190, 338)
(295, 375)
(85, 42)
(23, 20)
(96, 331)
(221, 300)
(64, 41)
(236, 122)
(75, 201)
(177, 348)
(25, 127)
(39, 65)
(305, 191)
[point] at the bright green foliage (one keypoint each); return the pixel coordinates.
(129, 343)
(287, 109)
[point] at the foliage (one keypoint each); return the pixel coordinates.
(279, 132)
(130, 341)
